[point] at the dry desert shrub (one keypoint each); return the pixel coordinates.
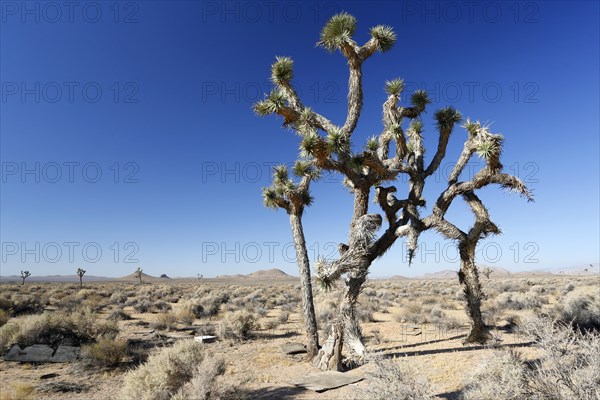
(106, 352)
(580, 310)
(205, 385)
(4, 317)
(165, 321)
(20, 391)
(395, 379)
(521, 301)
(567, 368)
(239, 324)
(56, 328)
(18, 304)
(165, 372)
(501, 376)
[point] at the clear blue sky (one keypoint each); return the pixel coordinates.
(127, 129)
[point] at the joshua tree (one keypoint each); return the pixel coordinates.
(487, 271)
(80, 272)
(24, 275)
(138, 274)
(489, 147)
(328, 147)
(293, 198)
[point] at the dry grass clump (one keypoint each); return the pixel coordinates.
(567, 368)
(521, 301)
(165, 321)
(239, 325)
(501, 376)
(4, 317)
(205, 384)
(106, 352)
(180, 372)
(580, 310)
(19, 303)
(20, 391)
(395, 379)
(56, 328)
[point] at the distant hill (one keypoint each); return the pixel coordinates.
(262, 274)
(269, 273)
(397, 278)
(445, 274)
(145, 278)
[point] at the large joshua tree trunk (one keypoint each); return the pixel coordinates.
(346, 327)
(310, 321)
(469, 277)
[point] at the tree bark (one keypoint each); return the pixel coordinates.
(329, 357)
(352, 331)
(469, 277)
(310, 320)
(346, 329)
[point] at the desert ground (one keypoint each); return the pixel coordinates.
(119, 326)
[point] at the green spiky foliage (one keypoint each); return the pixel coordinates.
(337, 31)
(303, 125)
(337, 143)
(286, 194)
(415, 127)
(306, 168)
(272, 103)
(472, 127)
(490, 149)
(80, 272)
(384, 37)
(311, 145)
(372, 144)
(419, 100)
(447, 117)
(282, 70)
(394, 87)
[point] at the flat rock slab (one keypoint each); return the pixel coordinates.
(293, 348)
(42, 353)
(205, 338)
(327, 380)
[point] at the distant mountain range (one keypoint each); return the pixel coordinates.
(277, 274)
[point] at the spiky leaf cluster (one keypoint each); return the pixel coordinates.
(303, 124)
(415, 128)
(337, 142)
(309, 147)
(472, 127)
(447, 117)
(306, 168)
(272, 103)
(338, 30)
(384, 37)
(372, 144)
(420, 99)
(282, 70)
(394, 87)
(284, 193)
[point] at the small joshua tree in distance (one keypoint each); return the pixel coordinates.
(80, 272)
(138, 274)
(24, 275)
(487, 271)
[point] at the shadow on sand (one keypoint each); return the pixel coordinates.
(452, 350)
